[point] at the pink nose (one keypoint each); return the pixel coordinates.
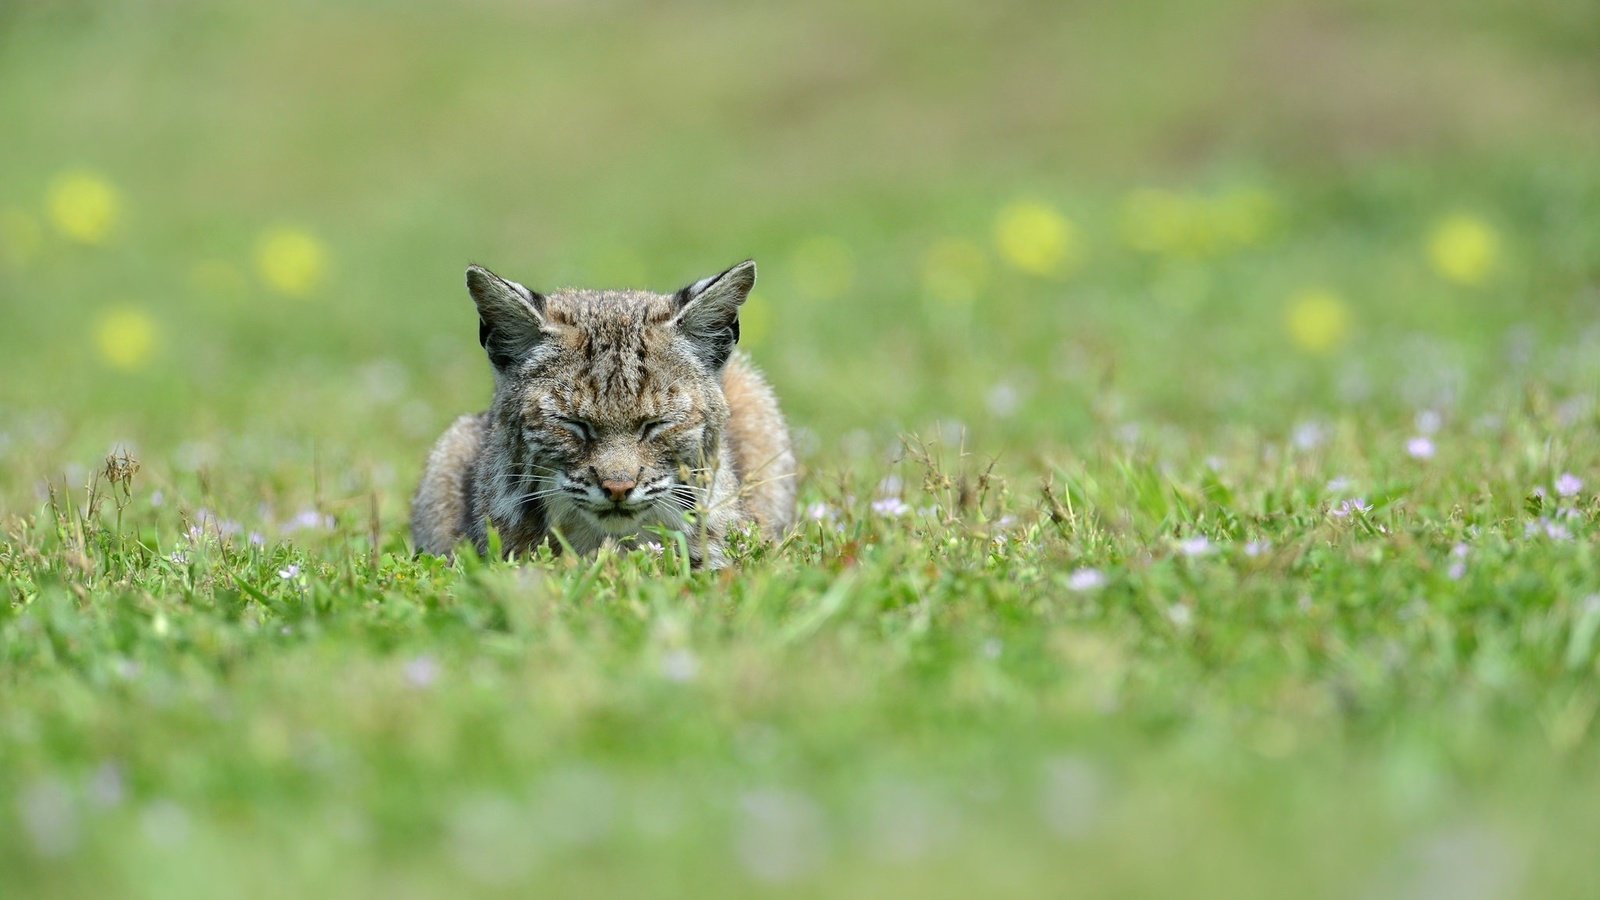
(617, 489)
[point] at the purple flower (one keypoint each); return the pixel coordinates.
(1086, 579)
(890, 506)
(1345, 508)
(290, 571)
(1199, 545)
(1568, 485)
(1420, 447)
(1552, 530)
(1256, 548)
(309, 518)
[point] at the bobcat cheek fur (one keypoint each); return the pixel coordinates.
(615, 413)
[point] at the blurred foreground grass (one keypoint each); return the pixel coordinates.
(1277, 323)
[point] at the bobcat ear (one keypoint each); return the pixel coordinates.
(708, 312)
(510, 317)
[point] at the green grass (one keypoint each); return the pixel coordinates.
(1080, 605)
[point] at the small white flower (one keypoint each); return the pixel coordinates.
(1180, 615)
(1420, 447)
(1086, 579)
(1339, 485)
(1256, 548)
(1199, 545)
(309, 518)
(819, 512)
(1309, 435)
(257, 540)
(290, 571)
(1568, 485)
(107, 787)
(422, 672)
(890, 506)
(1457, 571)
(179, 558)
(1003, 400)
(679, 665)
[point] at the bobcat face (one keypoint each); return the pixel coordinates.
(617, 470)
(608, 407)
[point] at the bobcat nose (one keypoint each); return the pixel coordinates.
(617, 488)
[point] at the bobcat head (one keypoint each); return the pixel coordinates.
(608, 410)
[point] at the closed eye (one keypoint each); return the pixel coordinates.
(580, 429)
(652, 428)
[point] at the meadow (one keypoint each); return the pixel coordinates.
(1197, 407)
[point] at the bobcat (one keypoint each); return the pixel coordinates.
(614, 413)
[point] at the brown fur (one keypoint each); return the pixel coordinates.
(615, 413)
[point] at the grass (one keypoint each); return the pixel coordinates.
(1222, 524)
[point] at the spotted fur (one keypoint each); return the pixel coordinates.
(615, 413)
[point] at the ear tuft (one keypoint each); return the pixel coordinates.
(510, 317)
(708, 313)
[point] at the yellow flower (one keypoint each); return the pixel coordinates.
(755, 320)
(83, 206)
(1037, 239)
(125, 337)
(1464, 249)
(1318, 321)
(19, 238)
(291, 261)
(954, 271)
(823, 267)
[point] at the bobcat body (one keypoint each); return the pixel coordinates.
(615, 414)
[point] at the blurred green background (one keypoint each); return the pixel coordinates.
(239, 229)
(1219, 269)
